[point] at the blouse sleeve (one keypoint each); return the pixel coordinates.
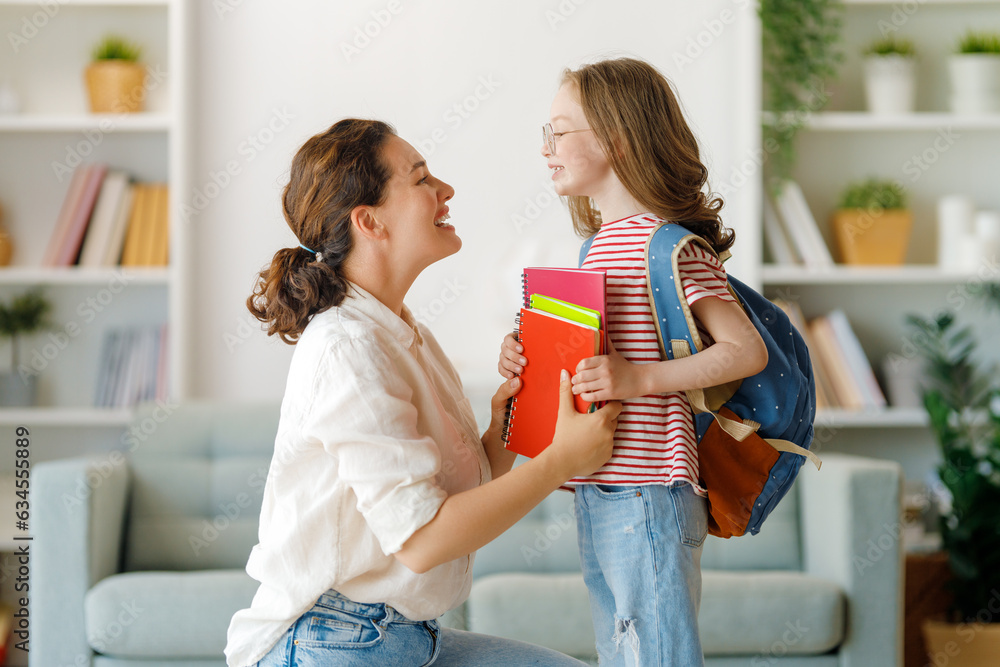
(362, 413)
(702, 274)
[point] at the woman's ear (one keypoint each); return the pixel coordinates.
(365, 223)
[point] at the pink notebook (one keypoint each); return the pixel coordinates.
(584, 287)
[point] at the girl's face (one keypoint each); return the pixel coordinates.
(579, 166)
(414, 211)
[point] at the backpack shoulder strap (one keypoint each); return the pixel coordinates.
(585, 249)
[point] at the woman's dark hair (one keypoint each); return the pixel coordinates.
(332, 173)
(638, 121)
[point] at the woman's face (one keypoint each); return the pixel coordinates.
(579, 166)
(414, 211)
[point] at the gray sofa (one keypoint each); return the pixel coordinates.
(138, 559)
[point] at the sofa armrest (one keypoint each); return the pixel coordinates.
(852, 530)
(78, 518)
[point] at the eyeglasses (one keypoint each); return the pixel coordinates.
(550, 136)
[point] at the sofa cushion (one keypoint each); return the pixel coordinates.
(770, 614)
(165, 614)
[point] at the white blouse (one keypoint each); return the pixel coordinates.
(375, 432)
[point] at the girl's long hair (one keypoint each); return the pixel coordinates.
(331, 174)
(637, 119)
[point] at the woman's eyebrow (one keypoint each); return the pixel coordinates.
(418, 165)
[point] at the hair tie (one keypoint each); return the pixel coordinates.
(319, 255)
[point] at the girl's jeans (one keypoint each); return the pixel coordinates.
(640, 549)
(338, 632)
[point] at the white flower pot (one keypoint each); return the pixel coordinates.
(890, 84)
(975, 82)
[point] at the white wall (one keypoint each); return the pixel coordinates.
(469, 84)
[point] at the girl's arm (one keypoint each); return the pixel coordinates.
(738, 353)
(501, 459)
(468, 520)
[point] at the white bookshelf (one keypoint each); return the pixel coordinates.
(926, 121)
(55, 127)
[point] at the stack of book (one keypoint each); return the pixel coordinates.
(107, 220)
(133, 367)
(791, 234)
(561, 323)
(844, 376)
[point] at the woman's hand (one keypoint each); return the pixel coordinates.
(609, 377)
(511, 362)
(582, 442)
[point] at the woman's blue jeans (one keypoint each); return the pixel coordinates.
(338, 632)
(640, 549)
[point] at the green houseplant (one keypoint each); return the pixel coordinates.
(800, 55)
(115, 78)
(23, 315)
(890, 75)
(975, 73)
(962, 399)
(872, 224)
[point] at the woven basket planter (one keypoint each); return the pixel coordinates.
(116, 86)
(962, 644)
(869, 237)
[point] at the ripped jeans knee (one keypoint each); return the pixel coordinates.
(625, 633)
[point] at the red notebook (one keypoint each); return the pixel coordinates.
(551, 344)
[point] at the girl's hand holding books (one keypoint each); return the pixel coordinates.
(609, 377)
(512, 361)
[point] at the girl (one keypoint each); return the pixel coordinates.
(620, 149)
(380, 490)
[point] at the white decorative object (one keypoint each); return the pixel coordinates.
(987, 225)
(10, 103)
(890, 84)
(975, 83)
(903, 377)
(955, 216)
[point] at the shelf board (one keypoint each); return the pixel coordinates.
(109, 123)
(835, 418)
(71, 275)
(94, 3)
(855, 121)
(943, 3)
(913, 274)
(35, 417)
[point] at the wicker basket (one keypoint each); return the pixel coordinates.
(116, 86)
(865, 237)
(962, 644)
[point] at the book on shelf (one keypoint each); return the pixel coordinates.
(821, 378)
(554, 343)
(72, 203)
(112, 251)
(850, 374)
(112, 198)
(132, 367)
(146, 238)
(779, 246)
(858, 363)
(69, 249)
(799, 223)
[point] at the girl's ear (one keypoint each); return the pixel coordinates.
(365, 223)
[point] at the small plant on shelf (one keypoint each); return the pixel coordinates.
(23, 315)
(962, 399)
(115, 78)
(890, 75)
(872, 224)
(975, 73)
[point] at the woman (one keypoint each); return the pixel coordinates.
(380, 488)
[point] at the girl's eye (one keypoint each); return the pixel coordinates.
(423, 180)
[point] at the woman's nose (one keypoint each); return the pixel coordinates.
(447, 191)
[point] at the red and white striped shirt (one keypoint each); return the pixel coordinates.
(655, 440)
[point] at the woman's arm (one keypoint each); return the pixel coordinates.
(738, 353)
(468, 520)
(501, 459)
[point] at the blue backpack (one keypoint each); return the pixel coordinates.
(753, 434)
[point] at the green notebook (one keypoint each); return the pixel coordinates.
(570, 311)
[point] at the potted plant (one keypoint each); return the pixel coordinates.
(800, 55)
(24, 315)
(975, 74)
(890, 76)
(872, 224)
(962, 400)
(115, 79)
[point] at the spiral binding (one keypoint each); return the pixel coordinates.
(508, 414)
